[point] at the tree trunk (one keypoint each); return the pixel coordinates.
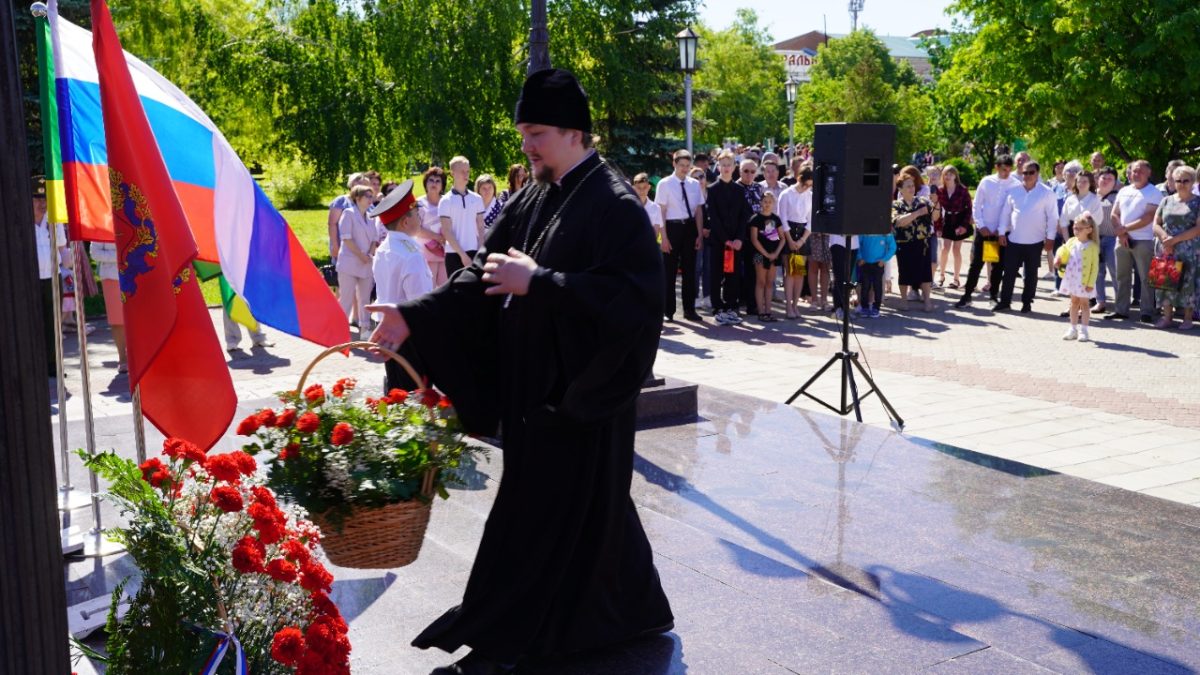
(33, 614)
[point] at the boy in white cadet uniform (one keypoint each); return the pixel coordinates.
(400, 270)
(461, 215)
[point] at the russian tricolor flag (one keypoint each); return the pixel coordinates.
(233, 222)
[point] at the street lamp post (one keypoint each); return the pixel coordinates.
(789, 88)
(688, 41)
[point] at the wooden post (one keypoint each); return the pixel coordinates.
(33, 608)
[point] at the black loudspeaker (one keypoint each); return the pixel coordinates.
(852, 178)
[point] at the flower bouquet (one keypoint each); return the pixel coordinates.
(230, 582)
(367, 470)
(1166, 273)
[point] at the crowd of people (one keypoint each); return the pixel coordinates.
(1110, 246)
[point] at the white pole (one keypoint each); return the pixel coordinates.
(95, 545)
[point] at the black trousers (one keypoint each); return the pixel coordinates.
(48, 309)
(749, 278)
(1018, 256)
(723, 288)
(453, 264)
(871, 277)
(842, 272)
(977, 266)
(682, 236)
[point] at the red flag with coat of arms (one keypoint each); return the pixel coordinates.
(174, 354)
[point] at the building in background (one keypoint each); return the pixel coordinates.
(800, 53)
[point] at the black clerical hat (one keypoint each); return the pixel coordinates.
(554, 97)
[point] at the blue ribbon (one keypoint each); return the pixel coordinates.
(224, 641)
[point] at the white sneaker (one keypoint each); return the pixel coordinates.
(734, 319)
(1071, 334)
(1083, 336)
(722, 318)
(705, 303)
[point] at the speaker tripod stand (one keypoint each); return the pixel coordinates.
(847, 362)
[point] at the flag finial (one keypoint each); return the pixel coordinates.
(39, 9)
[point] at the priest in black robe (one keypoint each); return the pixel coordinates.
(549, 336)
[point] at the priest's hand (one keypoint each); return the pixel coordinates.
(392, 330)
(510, 272)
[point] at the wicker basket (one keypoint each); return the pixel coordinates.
(376, 538)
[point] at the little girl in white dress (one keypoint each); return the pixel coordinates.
(1079, 262)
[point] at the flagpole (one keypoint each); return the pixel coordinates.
(139, 425)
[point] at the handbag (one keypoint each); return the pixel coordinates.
(797, 265)
(330, 274)
(727, 263)
(436, 247)
(991, 251)
(1166, 273)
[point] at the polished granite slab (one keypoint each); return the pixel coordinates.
(792, 541)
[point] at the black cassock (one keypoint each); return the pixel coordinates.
(564, 564)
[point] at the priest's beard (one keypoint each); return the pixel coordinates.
(544, 174)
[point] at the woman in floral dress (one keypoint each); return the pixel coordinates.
(912, 221)
(1176, 226)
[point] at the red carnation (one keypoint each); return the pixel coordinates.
(397, 396)
(264, 496)
(266, 417)
(226, 498)
(342, 434)
(325, 638)
(281, 570)
(285, 418)
(296, 551)
(343, 385)
(288, 646)
(248, 555)
(151, 467)
(315, 394)
(323, 606)
(308, 423)
(179, 449)
(248, 426)
(269, 521)
(290, 450)
(429, 398)
(314, 577)
(223, 467)
(245, 463)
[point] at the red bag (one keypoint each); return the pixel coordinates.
(727, 267)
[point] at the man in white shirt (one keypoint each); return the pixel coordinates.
(48, 261)
(399, 267)
(461, 215)
(681, 199)
(989, 200)
(1132, 219)
(1028, 223)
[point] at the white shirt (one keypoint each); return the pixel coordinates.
(462, 210)
(1075, 206)
(795, 206)
(655, 212)
(1133, 204)
(46, 262)
(777, 191)
(400, 270)
(669, 193)
(989, 200)
(1029, 216)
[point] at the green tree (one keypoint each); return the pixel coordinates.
(855, 80)
(624, 53)
(742, 79)
(1078, 77)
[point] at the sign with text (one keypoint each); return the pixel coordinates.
(798, 62)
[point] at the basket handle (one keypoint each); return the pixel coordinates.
(362, 344)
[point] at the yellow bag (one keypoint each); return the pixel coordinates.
(991, 251)
(797, 266)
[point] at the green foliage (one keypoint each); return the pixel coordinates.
(152, 636)
(742, 78)
(1077, 77)
(859, 82)
(291, 184)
